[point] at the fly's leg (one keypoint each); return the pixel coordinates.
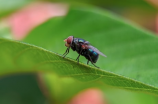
(79, 56)
(92, 61)
(66, 52)
(87, 62)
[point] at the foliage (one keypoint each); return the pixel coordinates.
(131, 62)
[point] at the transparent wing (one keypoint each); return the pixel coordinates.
(96, 50)
(86, 42)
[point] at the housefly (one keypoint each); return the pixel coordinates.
(82, 47)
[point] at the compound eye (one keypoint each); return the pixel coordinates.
(69, 39)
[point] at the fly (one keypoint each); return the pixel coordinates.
(82, 47)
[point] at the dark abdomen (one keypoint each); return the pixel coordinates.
(93, 55)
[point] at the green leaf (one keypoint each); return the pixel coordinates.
(131, 62)
(18, 57)
(131, 51)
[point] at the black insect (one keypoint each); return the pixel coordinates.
(82, 47)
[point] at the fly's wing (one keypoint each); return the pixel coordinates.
(96, 50)
(86, 42)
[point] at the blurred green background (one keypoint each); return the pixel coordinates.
(28, 88)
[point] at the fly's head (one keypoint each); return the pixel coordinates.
(68, 41)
